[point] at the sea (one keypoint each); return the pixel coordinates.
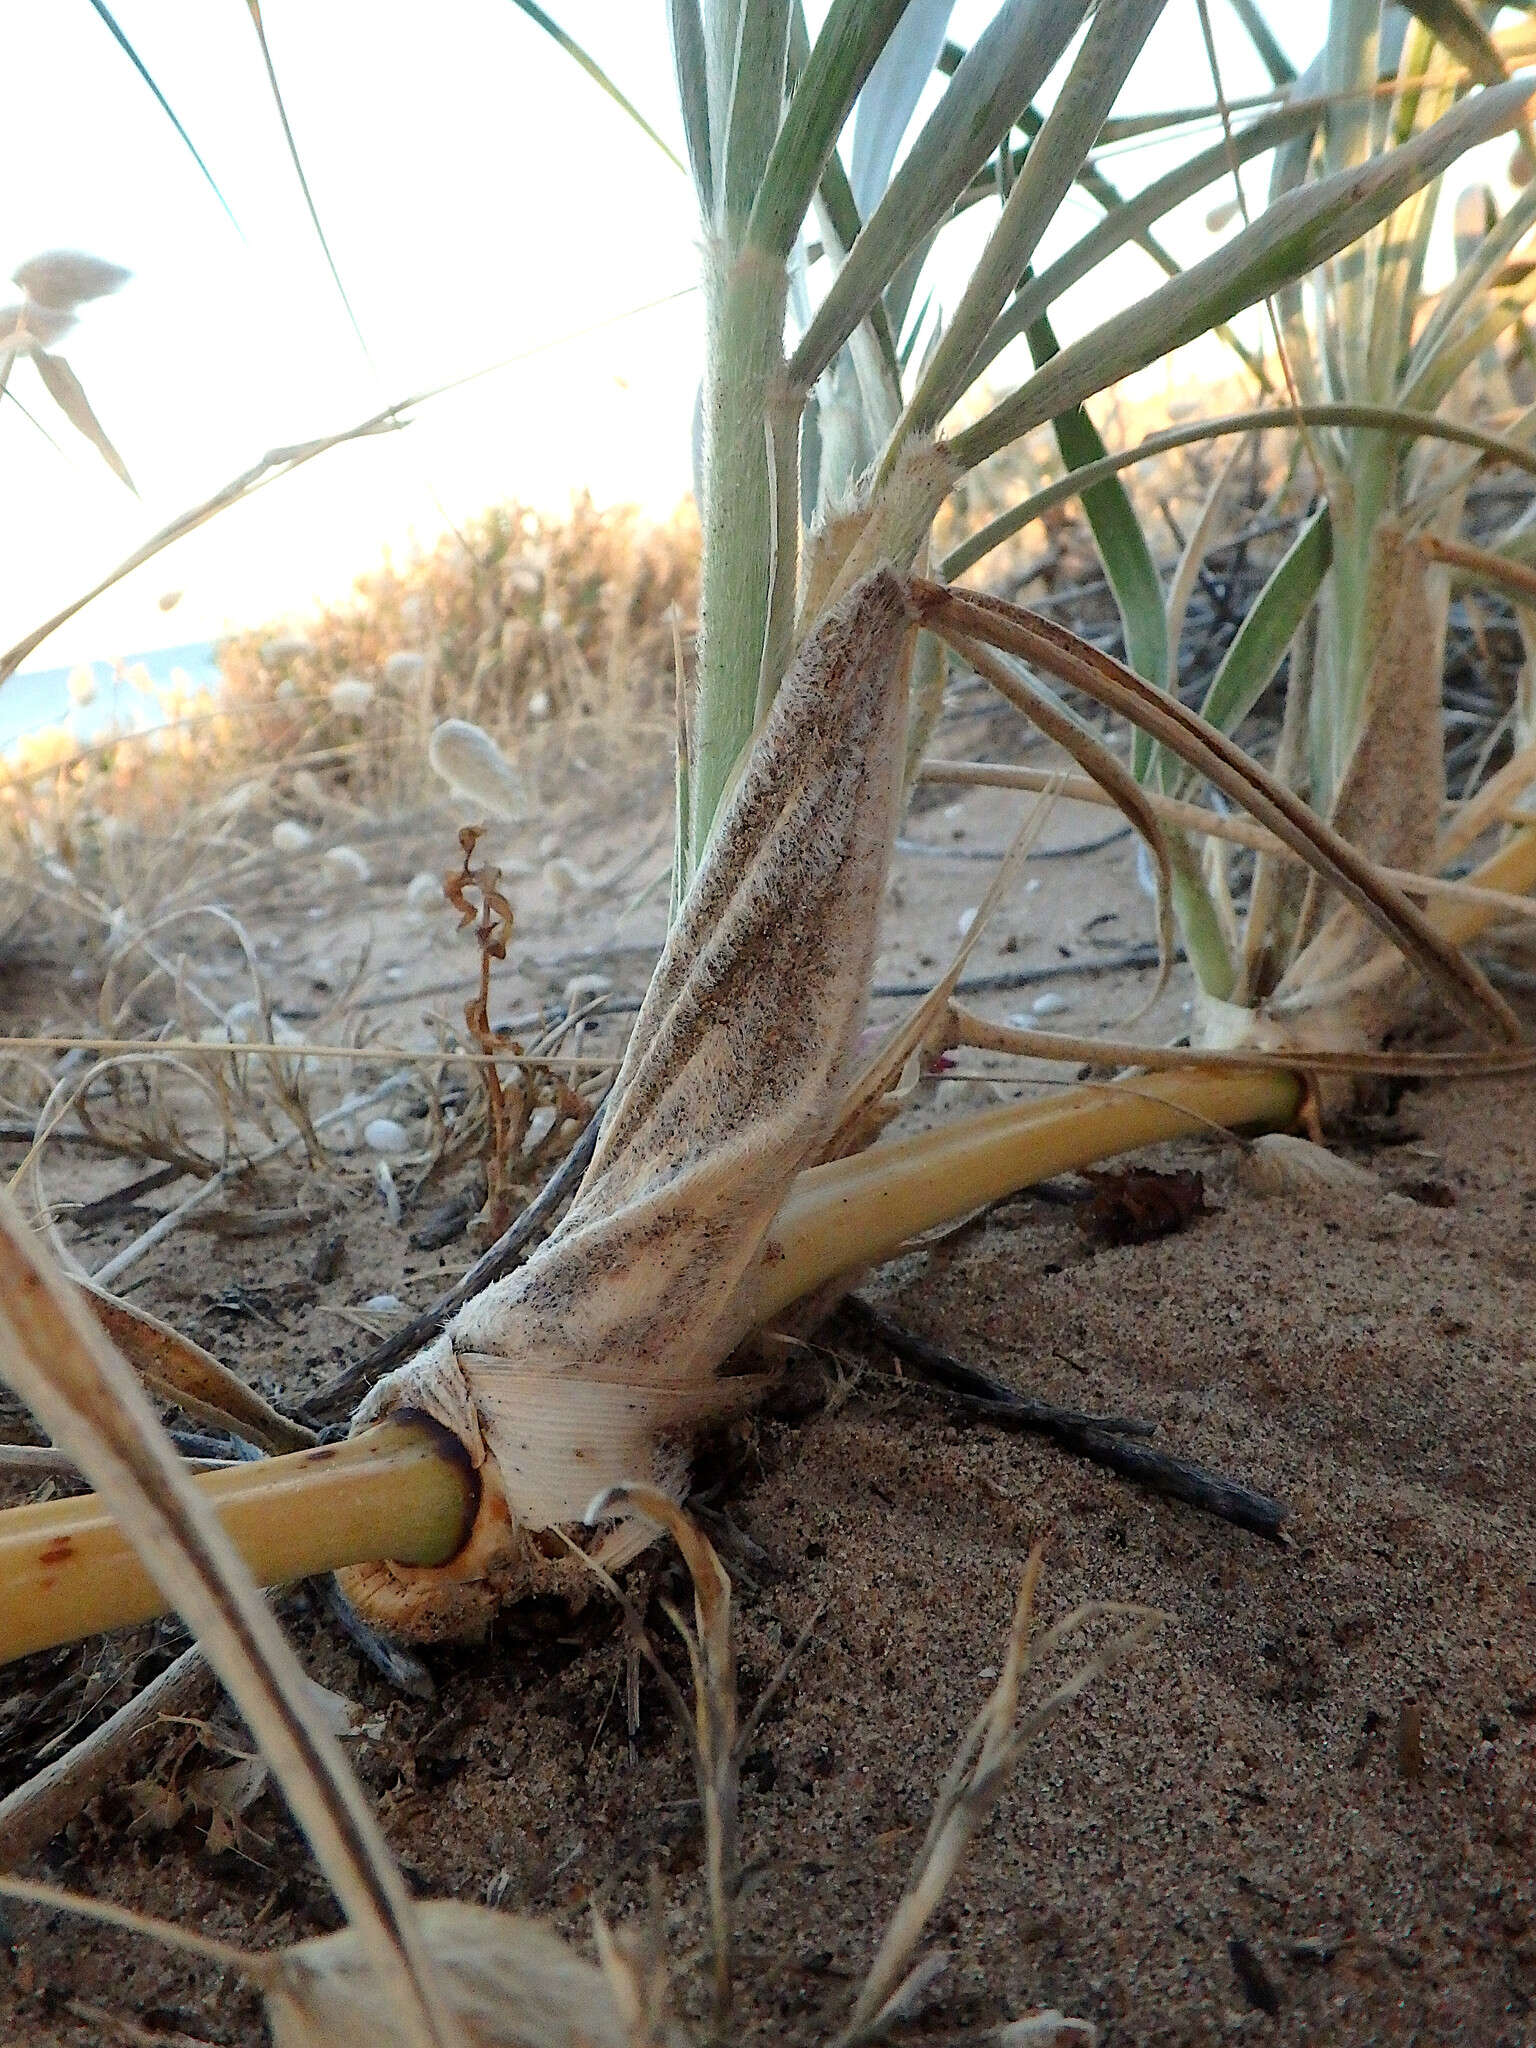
(120, 695)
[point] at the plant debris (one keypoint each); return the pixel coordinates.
(1135, 1204)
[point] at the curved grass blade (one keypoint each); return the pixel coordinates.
(1260, 643)
(599, 76)
(1046, 711)
(1294, 235)
(1383, 419)
(189, 1377)
(1062, 654)
(113, 29)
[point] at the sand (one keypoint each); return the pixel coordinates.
(1305, 1813)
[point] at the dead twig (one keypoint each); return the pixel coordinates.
(1103, 1440)
(35, 1812)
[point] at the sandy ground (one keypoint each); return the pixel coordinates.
(1236, 1836)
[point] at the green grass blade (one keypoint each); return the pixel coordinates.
(1129, 221)
(841, 59)
(298, 171)
(1001, 73)
(1053, 161)
(1293, 236)
(1454, 24)
(1472, 278)
(1383, 419)
(692, 71)
(890, 96)
(1122, 548)
(1251, 663)
(1104, 194)
(110, 23)
(842, 212)
(1454, 356)
(1280, 68)
(598, 75)
(752, 122)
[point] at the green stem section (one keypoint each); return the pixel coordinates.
(744, 364)
(1204, 941)
(403, 1490)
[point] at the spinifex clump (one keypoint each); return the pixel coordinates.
(598, 1360)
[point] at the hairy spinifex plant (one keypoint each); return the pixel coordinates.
(1381, 369)
(734, 1178)
(1360, 591)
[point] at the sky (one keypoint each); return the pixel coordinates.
(483, 200)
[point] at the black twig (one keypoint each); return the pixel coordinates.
(1113, 1441)
(403, 1670)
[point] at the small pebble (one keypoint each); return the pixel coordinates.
(383, 1134)
(1051, 1004)
(965, 920)
(383, 1304)
(404, 667)
(345, 864)
(289, 836)
(424, 891)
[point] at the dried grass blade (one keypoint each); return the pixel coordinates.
(37, 1810)
(1465, 990)
(712, 1655)
(183, 1373)
(63, 1366)
(68, 394)
(886, 1063)
(972, 1787)
(1100, 765)
(985, 1036)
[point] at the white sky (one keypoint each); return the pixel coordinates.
(481, 197)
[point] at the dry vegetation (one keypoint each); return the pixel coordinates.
(257, 877)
